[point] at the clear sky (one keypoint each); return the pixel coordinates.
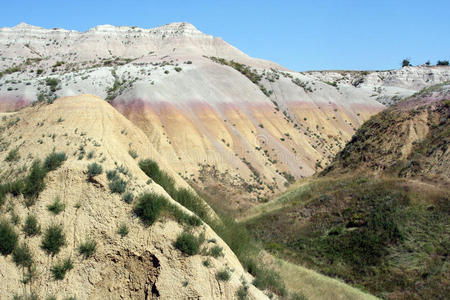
(301, 35)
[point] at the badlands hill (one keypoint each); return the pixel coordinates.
(239, 128)
(378, 216)
(420, 125)
(133, 257)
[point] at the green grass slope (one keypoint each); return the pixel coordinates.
(378, 216)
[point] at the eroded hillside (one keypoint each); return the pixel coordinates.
(228, 123)
(378, 216)
(80, 218)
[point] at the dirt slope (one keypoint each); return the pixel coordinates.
(143, 264)
(409, 139)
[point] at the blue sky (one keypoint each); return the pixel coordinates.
(301, 35)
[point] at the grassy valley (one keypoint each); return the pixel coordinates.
(378, 216)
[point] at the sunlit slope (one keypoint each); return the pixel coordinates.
(87, 206)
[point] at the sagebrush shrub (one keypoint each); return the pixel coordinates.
(149, 207)
(133, 153)
(123, 230)
(128, 197)
(60, 269)
(54, 238)
(13, 155)
(56, 207)
(112, 175)
(216, 251)
(31, 226)
(90, 155)
(8, 238)
(188, 243)
(87, 248)
(118, 186)
(94, 169)
(223, 275)
(34, 182)
(183, 217)
(54, 160)
(22, 256)
(242, 292)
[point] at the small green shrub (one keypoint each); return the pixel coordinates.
(152, 170)
(90, 155)
(207, 262)
(31, 226)
(191, 201)
(52, 83)
(149, 207)
(112, 175)
(54, 238)
(188, 243)
(8, 238)
(22, 256)
(54, 160)
(34, 182)
(87, 248)
(128, 197)
(133, 153)
(216, 251)
(94, 169)
(223, 275)
(183, 196)
(183, 217)
(56, 207)
(118, 186)
(16, 188)
(242, 292)
(60, 269)
(13, 155)
(122, 169)
(123, 230)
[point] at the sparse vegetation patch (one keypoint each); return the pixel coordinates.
(8, 238)
(60, 269)
(94, 169)
(87, 248)
(188, 243)
(54, 239)
(31, 226)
